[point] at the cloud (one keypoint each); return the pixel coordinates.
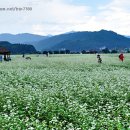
(59, 16)
(113, 16)
(116, 16)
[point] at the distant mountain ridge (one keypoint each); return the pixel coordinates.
(127, 36)
(77, 41)
(18, 48)
(74, 41)
(23, 38)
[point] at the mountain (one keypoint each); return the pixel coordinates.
(70, 32)
(127, 36)
(18, 48)
(23, 38)
(77, 41)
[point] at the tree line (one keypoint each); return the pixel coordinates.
(105, 51)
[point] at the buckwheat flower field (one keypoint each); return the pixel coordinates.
(65, 92)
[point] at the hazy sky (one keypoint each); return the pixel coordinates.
(59, 16)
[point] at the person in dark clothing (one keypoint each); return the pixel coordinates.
(23, 55)
(99, 58)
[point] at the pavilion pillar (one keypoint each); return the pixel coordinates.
(4, 56)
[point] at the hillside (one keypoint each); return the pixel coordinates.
(127, 36)
(78, 41)
(25, 38)
(18, 48)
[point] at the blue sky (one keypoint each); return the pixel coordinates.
(92, 3)
(60, 16)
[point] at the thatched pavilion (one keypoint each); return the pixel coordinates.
(5, 52)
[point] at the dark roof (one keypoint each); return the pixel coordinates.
(3, 50)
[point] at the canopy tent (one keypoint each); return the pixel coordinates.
(5, 52)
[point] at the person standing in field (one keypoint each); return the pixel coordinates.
(47, 54)
(23, 55)
(0, 58)
(99, 58)
(121, 57)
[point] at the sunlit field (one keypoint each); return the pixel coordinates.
(65, 92)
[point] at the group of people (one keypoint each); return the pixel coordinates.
(27, 58)
(8, 58)
(121, 58)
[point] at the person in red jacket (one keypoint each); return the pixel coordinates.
(121, 57)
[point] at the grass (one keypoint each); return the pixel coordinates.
(65, 92)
